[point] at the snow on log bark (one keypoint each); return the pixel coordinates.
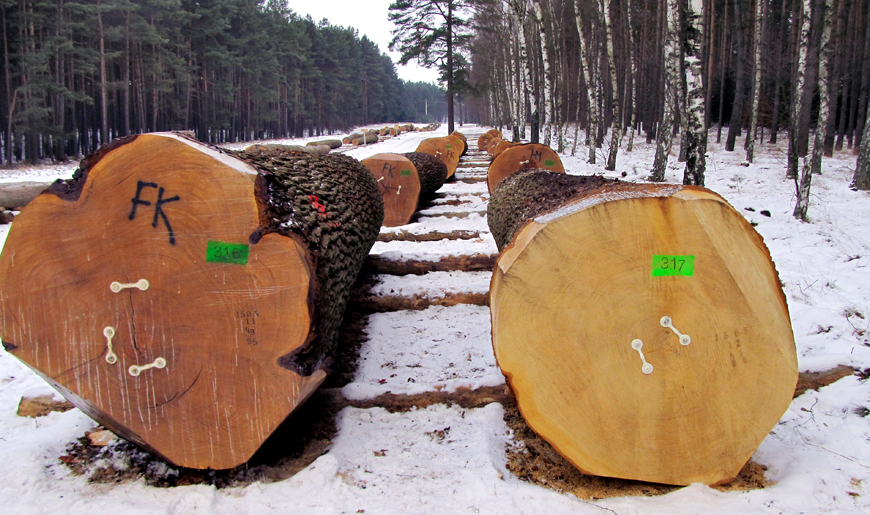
(642, 327)
(187, 299)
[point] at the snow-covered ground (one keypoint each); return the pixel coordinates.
(452, 460)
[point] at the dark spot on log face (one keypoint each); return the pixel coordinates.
(70, 190)
(9, 347)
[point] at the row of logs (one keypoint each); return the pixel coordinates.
(188, 298)
(642, 327)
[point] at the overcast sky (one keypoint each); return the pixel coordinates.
(370, 18)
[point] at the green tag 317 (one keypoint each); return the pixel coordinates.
(663, 265)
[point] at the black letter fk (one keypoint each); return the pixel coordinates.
(158, 207)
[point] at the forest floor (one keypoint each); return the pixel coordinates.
(418, 418)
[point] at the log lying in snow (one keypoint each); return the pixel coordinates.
(642, 327)
(444, 149)
(331, 143)
(277, 147)
(463, 142)
(522, 157)
(16, 195)
(402, 179)
(497, 146)
(186, 299)
(486, 137)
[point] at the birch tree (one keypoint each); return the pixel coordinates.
(616, 134)
(756, 85)
(545, 41)
(696, 131)
(518, 13)
(861, 179)
(797, 95)
(666, 128)
(814, 163)
(591, 84)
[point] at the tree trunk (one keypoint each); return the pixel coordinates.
(212, 308)
(696, 132)
(665, 134)
(522, 157)
(861, 179)
(449, 66)
(568, 337)
(104, 121)
(756, 84)
(548, 76)
(797, 94)
(616, 102)
(583, 43)
(736, 123)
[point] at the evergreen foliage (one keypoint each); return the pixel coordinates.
(231, 70)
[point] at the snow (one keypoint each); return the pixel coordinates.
(447, 459)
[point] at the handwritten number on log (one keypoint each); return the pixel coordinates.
(158, 207)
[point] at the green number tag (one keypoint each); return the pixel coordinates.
(673, 265)
(549, 162)
(449, 146)
(220, 252)
(406, 173)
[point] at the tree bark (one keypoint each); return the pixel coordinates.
(797, 93)
(696, 132)
(211, 310)
(660, 410)
(665, 134)
(735, 125)
(616, 101)
(814, 164)
(591, 89)
(756, 84)
(861, 179)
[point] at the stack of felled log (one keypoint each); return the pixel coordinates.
(187, 298)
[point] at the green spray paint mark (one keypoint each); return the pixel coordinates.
(220, 252)
(673, 265)
(406, 173)
(549, 162)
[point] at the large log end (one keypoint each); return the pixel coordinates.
(644, 332)
(139, 292)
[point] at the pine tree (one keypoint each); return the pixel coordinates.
(432, 32)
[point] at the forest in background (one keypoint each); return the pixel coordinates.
(594, 61)
(79, 73)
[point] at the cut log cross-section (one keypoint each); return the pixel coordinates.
(486, 137)
(643, 328)
(444, 149)
(522, 157)
(399, 183)
(181, 298)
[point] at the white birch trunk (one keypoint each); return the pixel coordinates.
(756, 82)
(797, 97)
(632, 92)
(616, 134)
(666, 129)
(696, 130)
(592, 129)
(861, 179)
(519, 14)
(814, 163)
(547, 120)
